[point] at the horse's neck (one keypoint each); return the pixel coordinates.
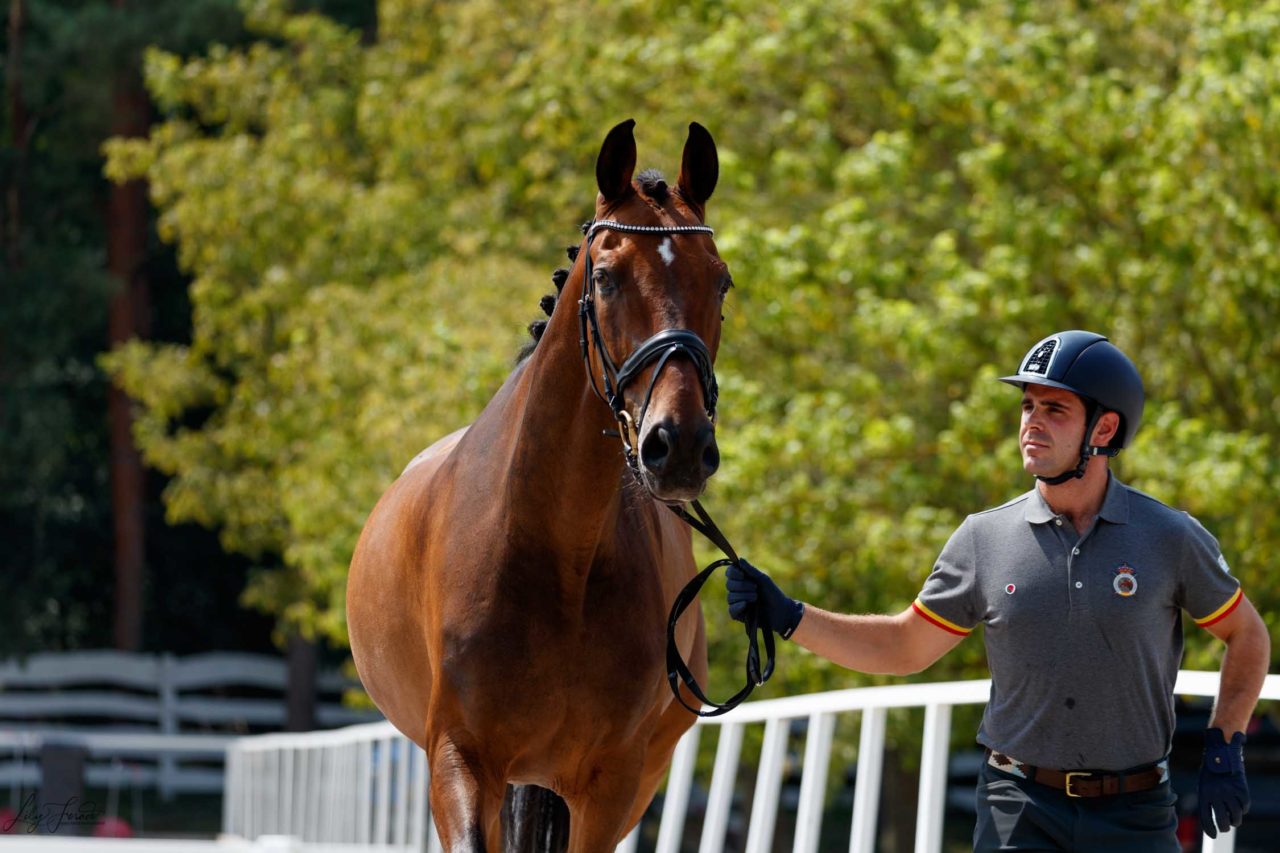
(565, 476)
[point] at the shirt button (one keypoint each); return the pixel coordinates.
(1058, 521)
(1075, 550)
(1079, 584)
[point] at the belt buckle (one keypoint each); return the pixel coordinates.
(1071, 774)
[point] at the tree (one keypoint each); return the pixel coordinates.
(62, 59)
(913, 194)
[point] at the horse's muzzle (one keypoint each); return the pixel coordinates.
(677, 460)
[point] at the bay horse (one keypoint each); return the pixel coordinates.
(508, 595)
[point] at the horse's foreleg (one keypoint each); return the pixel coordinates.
(598, 817)
(675, 721)
(465, 804)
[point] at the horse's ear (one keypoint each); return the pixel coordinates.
(617, 161)
(699, 167)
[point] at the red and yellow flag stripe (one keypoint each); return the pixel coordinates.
(1222, 612)
(942, 623)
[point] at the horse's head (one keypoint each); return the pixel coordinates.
(651, 310)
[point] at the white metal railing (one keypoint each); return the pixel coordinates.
(366, 785)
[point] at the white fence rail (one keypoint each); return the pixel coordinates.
(147, 720)
(366, 785)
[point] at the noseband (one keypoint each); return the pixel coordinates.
(613, 381)
(659, 348)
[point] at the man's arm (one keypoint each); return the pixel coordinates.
(1244, 666)
(883, 645)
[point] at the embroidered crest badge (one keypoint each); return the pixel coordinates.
(1126, 582)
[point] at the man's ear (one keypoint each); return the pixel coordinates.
(1105, 430)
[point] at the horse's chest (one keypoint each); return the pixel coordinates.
(531, 644)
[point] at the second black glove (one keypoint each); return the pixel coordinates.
(747, 585)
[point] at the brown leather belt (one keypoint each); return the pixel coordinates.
(1084, 783)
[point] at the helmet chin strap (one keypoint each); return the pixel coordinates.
(1087, 450)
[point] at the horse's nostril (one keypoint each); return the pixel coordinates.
(710, 451)
(710, 459)
(656, 449)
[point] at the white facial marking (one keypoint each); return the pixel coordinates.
(668, 256)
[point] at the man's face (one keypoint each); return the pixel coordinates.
(1052, 428)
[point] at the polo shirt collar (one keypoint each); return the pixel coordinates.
(1115, 506)
(1038, 511)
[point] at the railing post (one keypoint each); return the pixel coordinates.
(720, 798)
(284, 796)
(249, 797)
(271, 777)
(315, 796)
(1224, 843)
(813, 782)
(424, 836)
(230, 787)
(302, 814)
(676, 800)
(364, 784)
(630, 842)
(933, 778)
(332, 821)
(764, 806)
(866, 792)
(402, 795)
(382, 789)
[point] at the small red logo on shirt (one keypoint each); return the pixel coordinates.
(1126, 582)
(1010, 589)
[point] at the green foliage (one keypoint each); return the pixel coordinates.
(912, 193)
(55, 512)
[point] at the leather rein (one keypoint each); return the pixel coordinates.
(659, 349)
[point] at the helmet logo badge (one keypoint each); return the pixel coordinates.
(1039, 361)
(1126, 582)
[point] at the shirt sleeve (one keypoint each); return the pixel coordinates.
(1209, 592)
(949, 596)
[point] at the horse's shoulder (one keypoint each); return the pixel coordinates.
(439, 448)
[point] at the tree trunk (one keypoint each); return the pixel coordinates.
(300, 698)
(19, 129)
(128, 318)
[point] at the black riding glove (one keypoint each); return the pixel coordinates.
(1224, 793)
(748, 585)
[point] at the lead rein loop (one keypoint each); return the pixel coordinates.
(677, 669)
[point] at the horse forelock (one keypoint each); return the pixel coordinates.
(653, 185)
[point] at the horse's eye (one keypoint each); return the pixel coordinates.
(601, 279)
(726, 282)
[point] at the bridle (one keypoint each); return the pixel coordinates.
(660, 347)
(613, 381)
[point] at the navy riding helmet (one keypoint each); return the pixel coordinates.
(1091, 367)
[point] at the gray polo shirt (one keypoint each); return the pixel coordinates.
(1083, 634)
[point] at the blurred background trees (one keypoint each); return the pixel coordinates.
(89, 558)
(368, 209)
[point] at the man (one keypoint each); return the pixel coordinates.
(1080, 583)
